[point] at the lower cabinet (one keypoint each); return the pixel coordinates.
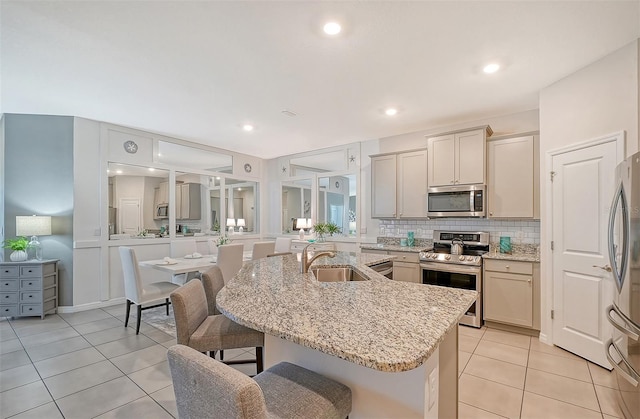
(28, 288)
(406, 265)
(512, 293)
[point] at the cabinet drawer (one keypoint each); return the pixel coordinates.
(9, 285)
(30, 284)
(30, 297)
(8, 297)
(375, 252)
(8, 311)
(410, 257)
(31, 272)
(508, 266)
(9, 272)
(30, 309)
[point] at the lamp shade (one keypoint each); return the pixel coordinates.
(241, 222)
(34, 225)
(301, 223)
(231, 222)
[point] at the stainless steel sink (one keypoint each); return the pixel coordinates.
(342, 274)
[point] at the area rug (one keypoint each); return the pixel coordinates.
(157, 317)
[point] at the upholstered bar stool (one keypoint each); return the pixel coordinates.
(262, 249)
(197, 329)
(206, 388)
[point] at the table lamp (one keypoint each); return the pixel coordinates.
(34, 226)
(301, 223)
(241, 225)
(231, 223)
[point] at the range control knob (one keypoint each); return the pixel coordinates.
(470, 258)
(447, 257)
(434, 256)
(461, 258)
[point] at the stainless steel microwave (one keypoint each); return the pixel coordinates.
(162, 211)
(457, 201)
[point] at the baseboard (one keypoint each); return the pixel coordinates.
(510, 328)
(545, 339)
(91, 306)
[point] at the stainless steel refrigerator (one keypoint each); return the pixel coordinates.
(623, 350)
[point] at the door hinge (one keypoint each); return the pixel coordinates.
(552, 174)
(552, 313)
(551, 244)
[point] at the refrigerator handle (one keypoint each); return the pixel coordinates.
(618, 271)
(629, 328)
(623, 367)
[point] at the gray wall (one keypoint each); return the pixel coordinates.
(38, 163)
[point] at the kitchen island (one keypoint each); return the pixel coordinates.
(393, 343)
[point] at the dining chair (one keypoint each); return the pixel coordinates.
(211, 333)
(262, 249)
(138, 293)
(230, 260)
(208, 388)
(182, 248)
(283, 244)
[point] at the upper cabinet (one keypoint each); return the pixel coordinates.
(458, 158)
(514, 177)
(399, 185)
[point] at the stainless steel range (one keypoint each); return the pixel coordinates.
(456, 261)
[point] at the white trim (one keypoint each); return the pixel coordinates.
(91, 306)
(546, 281)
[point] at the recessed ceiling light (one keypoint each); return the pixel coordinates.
(151, 169)
(391, 111)
(247, 127)
(491, 68)
(119, 172)
(332, 28)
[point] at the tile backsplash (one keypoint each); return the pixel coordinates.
(520, 231)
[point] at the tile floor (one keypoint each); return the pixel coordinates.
(514, 376)
(86, 364)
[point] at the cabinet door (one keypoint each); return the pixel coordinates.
(470, 157)
(163, 196)
(511, 178)
(508, 298)
(441, 160)
(383, 186)
(184, 201)
(412, 184)
(178, 201)
(406, 272)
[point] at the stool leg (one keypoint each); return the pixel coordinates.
(126, 319)
(167, 300)
(221, 355)
(139, 318)
(259, 363)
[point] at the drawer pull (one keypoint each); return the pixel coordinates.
(30, 308)
(6, 309)
(31, 296)
(507, 267)
(31, 283)
(6, 284)
(6, 296)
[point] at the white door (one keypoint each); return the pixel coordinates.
(130, 216)
(582, 190)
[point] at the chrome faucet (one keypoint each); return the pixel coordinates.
(305, 262)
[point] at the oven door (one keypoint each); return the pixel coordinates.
(457, 276)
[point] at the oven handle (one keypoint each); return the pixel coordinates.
(446, 267)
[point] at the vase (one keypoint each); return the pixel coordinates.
(18, 256)
(320, 238)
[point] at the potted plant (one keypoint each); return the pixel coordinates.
(332, 228)
(19, 246)
(320, 230)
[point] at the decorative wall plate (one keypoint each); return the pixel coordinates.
(247, 167)
(130, 147)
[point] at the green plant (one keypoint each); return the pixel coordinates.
(329, 228)
(215, 227)
(332, 228)
(19, 243)
(223, 240)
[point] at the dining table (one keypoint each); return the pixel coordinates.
(176, 266)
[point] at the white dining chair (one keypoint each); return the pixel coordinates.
(230, 260)
(179, 249)
(283, 245)
(262, 249)
(138, 293)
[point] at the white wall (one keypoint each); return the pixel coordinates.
(597, 100)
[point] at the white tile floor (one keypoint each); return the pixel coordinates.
(86, 365)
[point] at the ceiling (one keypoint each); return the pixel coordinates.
(200, 70)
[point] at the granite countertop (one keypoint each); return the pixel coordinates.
(394, 247)
(382, 324)
(522, 253)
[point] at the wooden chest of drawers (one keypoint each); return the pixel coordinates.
(28, 288)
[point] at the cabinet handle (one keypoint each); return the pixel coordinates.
(6, 296)
(30, 308)
(30, 283)
(31, 296)
(507, 267)
(490, 213)
(6, 309)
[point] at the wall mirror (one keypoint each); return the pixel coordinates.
(296, 203)
(138, 200)
(191, 205)
(330, 161)
(337, 201)
(241, 206)
(179, 155)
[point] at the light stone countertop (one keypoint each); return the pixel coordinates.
(382, 324)
(394, 247)
(522, 253)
